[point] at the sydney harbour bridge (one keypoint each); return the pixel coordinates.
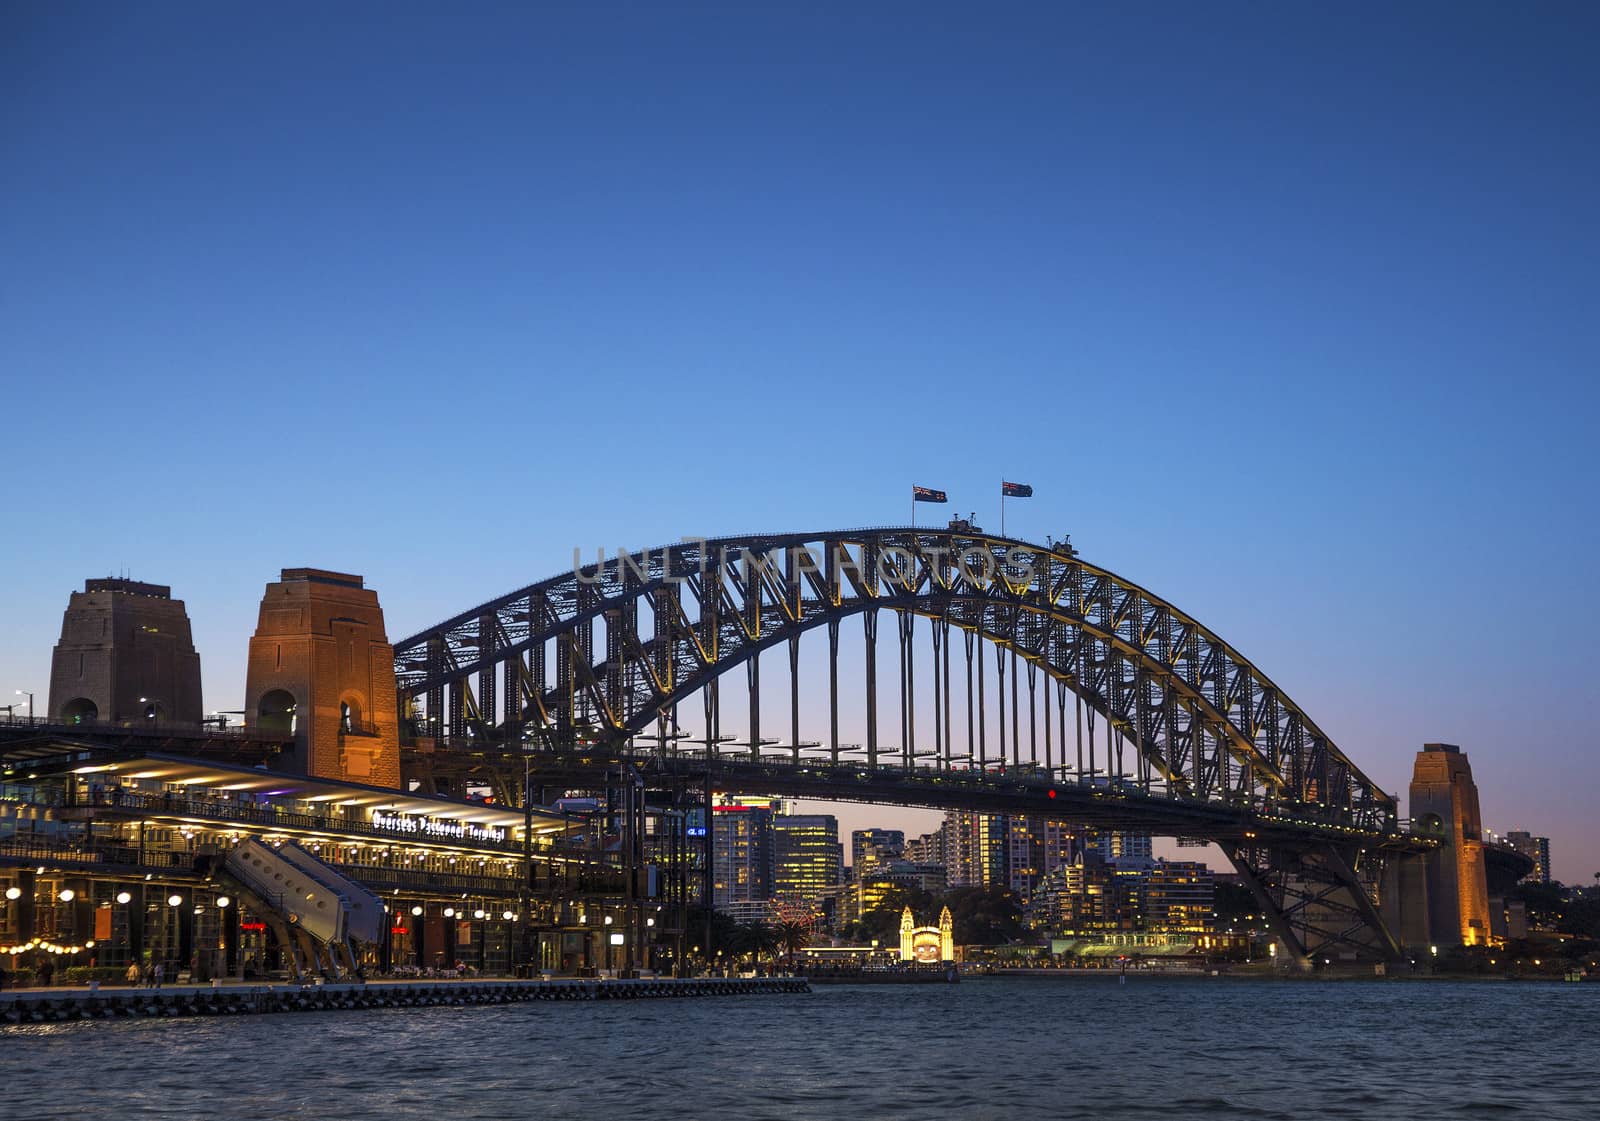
(1115, 707)
(961, 671)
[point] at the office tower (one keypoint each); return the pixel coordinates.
(807, 856)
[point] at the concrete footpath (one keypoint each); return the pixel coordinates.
(48, 1005)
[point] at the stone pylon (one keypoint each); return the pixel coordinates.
(126, 657)
(322, 670)
(1444, 803)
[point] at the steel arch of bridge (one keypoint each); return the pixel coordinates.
(599, 654)
(1200, 719)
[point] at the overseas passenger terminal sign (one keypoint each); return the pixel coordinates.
(433, 827)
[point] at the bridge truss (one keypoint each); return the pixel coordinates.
(1138, 703)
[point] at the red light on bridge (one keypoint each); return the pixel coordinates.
(1052, 793)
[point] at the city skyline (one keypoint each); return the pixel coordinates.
(1286, 321)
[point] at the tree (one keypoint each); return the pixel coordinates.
(724, 933)
(1234, 904)
(793, 937)
(986, 916)
(1581, 919)
(755, 940)
(1546, 903)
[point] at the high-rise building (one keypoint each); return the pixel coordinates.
(743, 862)
(1536, 849)
(869, 845)
(869, 890)
(1177, 896)
(930, 848)
(1085, 897)
(977, 849)
(807, 857)
(1035, 847)
(1117, 844)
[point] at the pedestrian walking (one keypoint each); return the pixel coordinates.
(134, 974)
(158, 973)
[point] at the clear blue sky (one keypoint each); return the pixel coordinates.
(1288, 313)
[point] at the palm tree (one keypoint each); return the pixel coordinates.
(793, 937)
(757, 939)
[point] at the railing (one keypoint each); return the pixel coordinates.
(87, 854)
(269, 816)
(169, 728)
(599, 873)
(407, 879)
(36, 851)
(30, 794)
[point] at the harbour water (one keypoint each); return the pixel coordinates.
(1000, 1047)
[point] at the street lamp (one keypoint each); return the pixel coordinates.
(29, 694)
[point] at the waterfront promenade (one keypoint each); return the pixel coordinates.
(57, 1003)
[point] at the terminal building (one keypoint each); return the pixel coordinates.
(115, 856)
(134, 830)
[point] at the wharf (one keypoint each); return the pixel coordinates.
(943, 975)
(50, 1005)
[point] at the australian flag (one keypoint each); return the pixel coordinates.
(928, 494)
(1016, 490)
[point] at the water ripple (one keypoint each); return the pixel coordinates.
(986, 1048)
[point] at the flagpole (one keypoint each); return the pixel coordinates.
(913, 507)
(1002, 507)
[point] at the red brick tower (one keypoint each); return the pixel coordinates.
(322, 668)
